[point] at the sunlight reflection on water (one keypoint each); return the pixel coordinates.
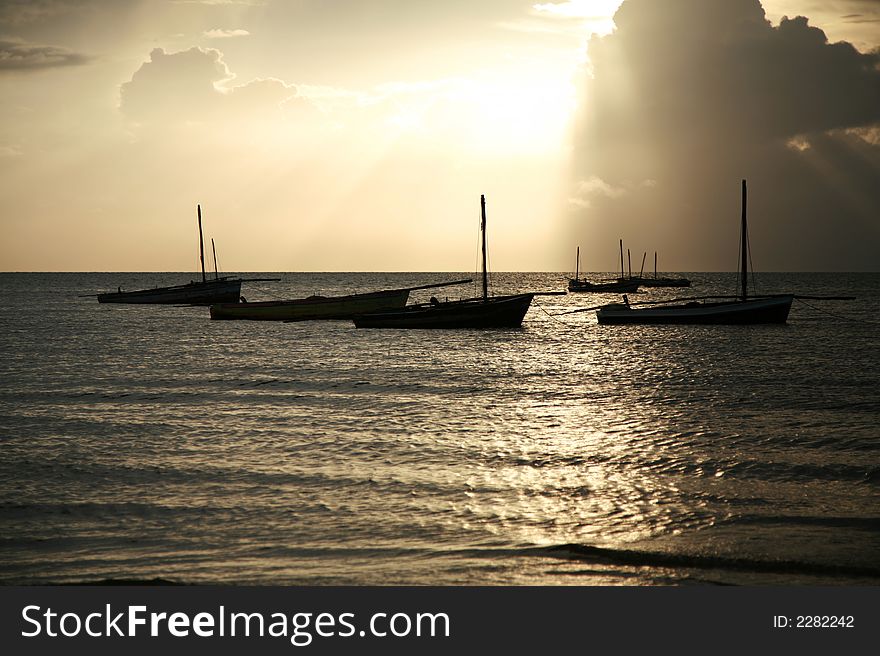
(143, 442)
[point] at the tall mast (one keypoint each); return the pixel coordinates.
(744, 247)
(655, 264)
(577, 263)
(201, 244)
(621, 260)
(483, 231)
(216, 275)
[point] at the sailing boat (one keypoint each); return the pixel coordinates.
(644, 281)
(321, 307)
(482, 312)
(744, 310)
(577, 285)
(659, 281)
(220, 289)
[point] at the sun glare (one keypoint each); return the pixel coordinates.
(596, 14)
(522, 114)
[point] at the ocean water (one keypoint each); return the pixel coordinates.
(149, 442)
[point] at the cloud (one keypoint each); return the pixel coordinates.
(224, 34)
(696, 94)
(20, 56)
(709, 68)
(180, 85)
(196, 86)
(595, 187)
(246, 3)
(10, 150)
(21, 12)
(577, 8)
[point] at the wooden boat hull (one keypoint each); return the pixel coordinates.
(497, 312)
(624, 287)
(313, 308)
(752, 311)
(193, 293)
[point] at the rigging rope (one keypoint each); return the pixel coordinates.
(837, 316)
(552, 316)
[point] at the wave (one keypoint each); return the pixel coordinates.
(639, 558)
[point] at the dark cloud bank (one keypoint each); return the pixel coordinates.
(20, 56)
(690, 96)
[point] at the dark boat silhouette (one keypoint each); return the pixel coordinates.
(578, 284)
(744, 310)
(482, 312)
(220, 289)
(646, 281)
(321, 307)
(659, 281)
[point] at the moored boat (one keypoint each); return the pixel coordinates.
(578, 284)
(497, 312)
(220, 289)
(611, 286)
(313, 307)
(321, 307)
(659, 281)
(767, 309)
(744, 310)
(482, 312)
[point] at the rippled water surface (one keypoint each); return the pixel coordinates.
(142, 442)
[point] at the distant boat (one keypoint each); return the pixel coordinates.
(660, 281)
(192, 293)
(645, 281)
(744, 310)
(220, 289)
(321, 307)
(577, 284)
(482, 312)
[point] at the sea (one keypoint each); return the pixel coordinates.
(152, 444)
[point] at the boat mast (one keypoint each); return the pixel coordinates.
(621, 260)
(577, 263)
(483, 231)
(201, 244)
(744, 247)
(216, 275)
(655, 265)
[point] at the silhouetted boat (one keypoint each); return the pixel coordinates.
(192, 293)
(577, 284)
(220, 289)
(497, 312)
(483, 312)
(660, 281)
(645, 281)
(321, 307)
(745, 310)
(765, 309)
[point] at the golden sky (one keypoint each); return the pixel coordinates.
(359, 134)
